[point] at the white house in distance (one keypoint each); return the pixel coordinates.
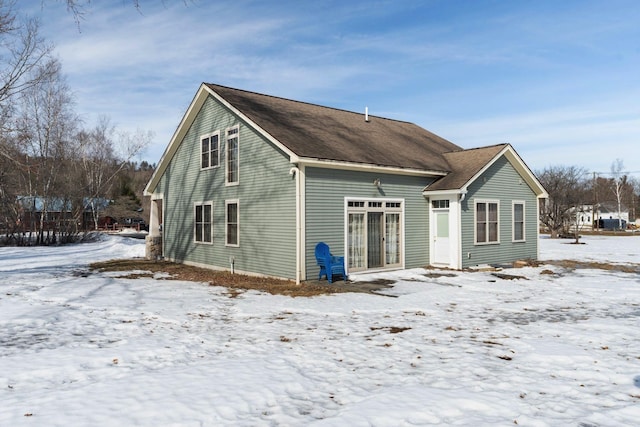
(587, 218)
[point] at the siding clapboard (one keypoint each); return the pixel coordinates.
(325, 193)
(266, 195)
(503, 183)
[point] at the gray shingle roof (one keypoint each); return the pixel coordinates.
(323, 133)
(465, 164)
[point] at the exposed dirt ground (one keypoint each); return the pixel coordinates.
(237, 283)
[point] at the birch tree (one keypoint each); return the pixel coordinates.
(618, 184)
(45, 129)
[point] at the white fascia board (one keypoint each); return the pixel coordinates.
(251, 123)
(519, 165)
(427, 193)
(525, 172)
(364, 167)
(176, 139)
(194, 108)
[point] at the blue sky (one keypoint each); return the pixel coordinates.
(559, 80)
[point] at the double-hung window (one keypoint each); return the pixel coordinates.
(232, 135)
(518, 221)
(203, 222)
(232, 220)
(487, 221)
(210, 150)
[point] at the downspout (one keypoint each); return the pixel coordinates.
(538, 200)
(463, 195)
(295, 171)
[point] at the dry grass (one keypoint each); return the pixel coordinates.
(572, 265)
(235, 282)
(239, 283)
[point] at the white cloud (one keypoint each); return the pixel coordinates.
(588, 137)
(557, 81)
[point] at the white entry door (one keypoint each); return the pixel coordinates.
(441, 246)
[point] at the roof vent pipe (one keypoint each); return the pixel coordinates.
(366, 114)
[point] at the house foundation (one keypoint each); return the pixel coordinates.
(153, 248)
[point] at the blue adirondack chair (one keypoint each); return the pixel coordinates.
(329, 265)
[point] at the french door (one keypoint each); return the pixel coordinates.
(374, 235)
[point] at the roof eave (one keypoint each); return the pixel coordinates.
(204, 91)
(455, 191)
(179, 134)
(515, 160)
(366, 167)
(251, 123)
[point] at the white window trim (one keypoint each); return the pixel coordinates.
(226, 157)
(209, 135)
(365, 209)
(195, 237)
(447, 204)
(475, 222)
(226, 222)
(513, 221)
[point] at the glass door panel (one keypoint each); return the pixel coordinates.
(392, 238)
(356, 238)
(374, 240)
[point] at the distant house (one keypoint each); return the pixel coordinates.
(54, 212)
(605, 216)
(610, 211)
(252, 183)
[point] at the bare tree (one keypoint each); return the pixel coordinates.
(568, 191)
(9, 192)
(25, 58)
(104, 157)
(79, 7)
(45, 162)
(45, 130)
(618, 184)
(98, 163)
(635, 191)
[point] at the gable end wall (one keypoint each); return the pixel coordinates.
(266, 195)
(500, 182)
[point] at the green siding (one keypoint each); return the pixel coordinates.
(266, 194)
(503, 183)
(325, 192)
(267, 203)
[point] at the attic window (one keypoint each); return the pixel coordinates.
(210, 150)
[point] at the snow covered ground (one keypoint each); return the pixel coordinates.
(80, 349)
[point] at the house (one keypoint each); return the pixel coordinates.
(605, 216)
(57, 212)
(609, 211)
(251, 183)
